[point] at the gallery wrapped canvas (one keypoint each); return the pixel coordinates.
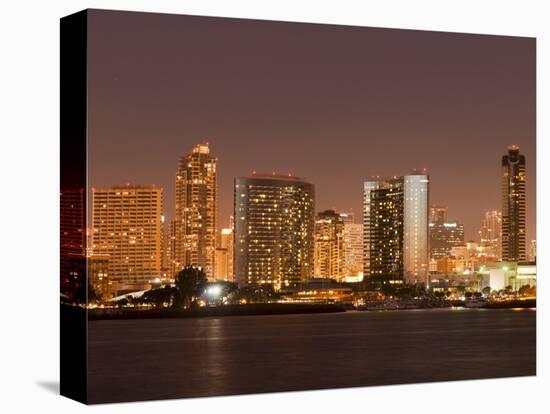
(257, 206)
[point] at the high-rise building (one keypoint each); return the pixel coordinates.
(353, 246)
(444, 233)
(224, 255)
(415, 228)
(127, 227)
(532, 257)
(274, 227)
(329, 245)
(513, 205)
(170, 251)
(347, 217)
(195, 218)
(438, 214)
(490, 235)
(395, 228)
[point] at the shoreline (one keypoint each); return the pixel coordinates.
(226, 310)
(267, 309)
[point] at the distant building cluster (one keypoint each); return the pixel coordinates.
(500, 257)
(277, 237)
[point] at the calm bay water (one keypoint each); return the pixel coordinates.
(194, 357)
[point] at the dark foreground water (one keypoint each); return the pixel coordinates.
(174, 358)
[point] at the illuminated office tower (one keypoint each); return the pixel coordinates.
(383, 228)
(513, 205)
(274, 227)
(490, 235)
(195, 218)
(329, 245)
(170, 252)
(127, 227)
(444, 234)
(224, 252)
(353, 246)
(415, 228)
(395, 229)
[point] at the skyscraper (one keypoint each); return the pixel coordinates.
(196, 208)
(490, 235)
(438, 214)
(127, 227)
(532, 256)
(170, 251)
(329, 245)
(513, 205)
(444, 233)
(395, 228)
(224, 252)
(274, 227)
(415, 228)
(353, 246)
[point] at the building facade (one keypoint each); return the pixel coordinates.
(383, 228)
(532, 256)
(127, 228)
(395, 228)
(490, 235)
(224, 255)
(353, 249)
(513, 205)
(444, 233)
(196, 210)
(274, 228)
(329, 245)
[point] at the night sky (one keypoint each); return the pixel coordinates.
(334, 104)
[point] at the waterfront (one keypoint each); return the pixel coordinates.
(193, 357)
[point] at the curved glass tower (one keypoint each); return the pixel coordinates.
(274, 227)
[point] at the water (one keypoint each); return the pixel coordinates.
(175, 358)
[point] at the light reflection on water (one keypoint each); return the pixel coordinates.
(172, 358)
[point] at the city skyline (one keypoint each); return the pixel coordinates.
(391, 101)
(253, 206)
(473, 232)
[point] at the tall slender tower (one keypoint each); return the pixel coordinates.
(513, 205)
(415, 227)
(490, 235)
(195, 218)
(329, 245)
(353, 245)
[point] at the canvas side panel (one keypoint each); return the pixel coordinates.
(73, 201)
